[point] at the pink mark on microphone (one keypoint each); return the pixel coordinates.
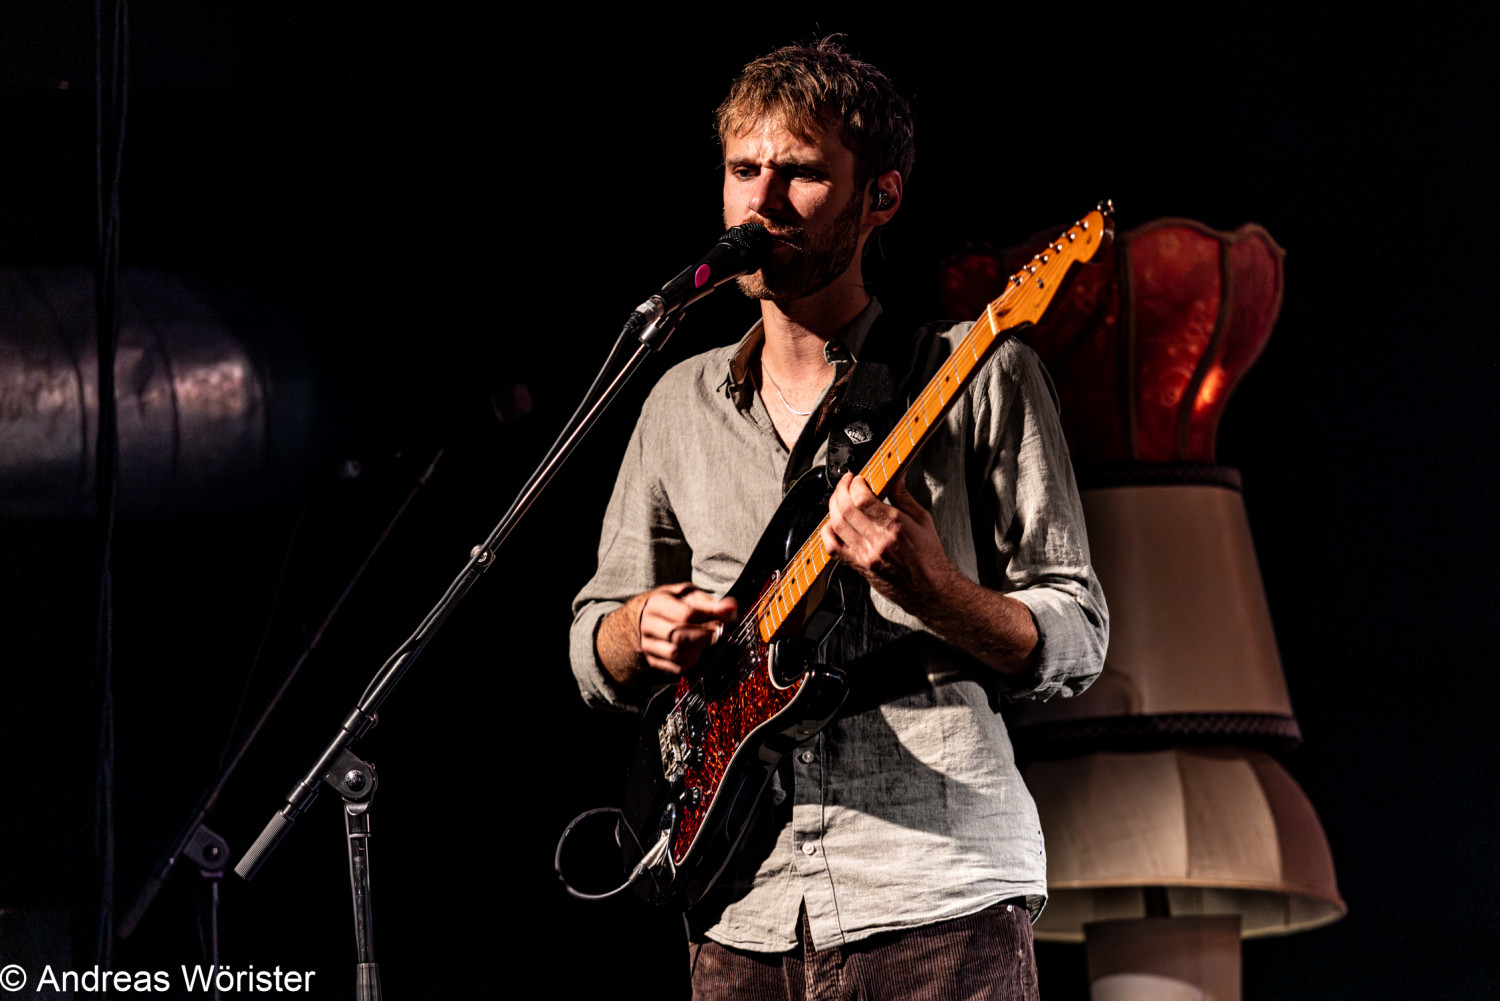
(701, 275)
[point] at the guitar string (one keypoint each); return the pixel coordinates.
(745, 665)
(1022, 294)
(741, 635)
(758, 612)
(745, 662)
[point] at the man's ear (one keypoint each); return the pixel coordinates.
(883, 198)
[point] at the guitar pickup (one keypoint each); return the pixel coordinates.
(681, 737)
(675, 746)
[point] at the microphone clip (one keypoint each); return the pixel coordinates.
(652, 323)
(740, 251)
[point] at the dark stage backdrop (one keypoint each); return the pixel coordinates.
(455, 199)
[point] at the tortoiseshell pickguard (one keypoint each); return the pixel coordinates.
(731, 716)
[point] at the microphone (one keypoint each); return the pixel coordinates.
(740, 251)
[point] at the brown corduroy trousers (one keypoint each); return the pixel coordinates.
(983, 957)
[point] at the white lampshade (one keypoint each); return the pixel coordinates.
(1221, 831)
(1191, 649)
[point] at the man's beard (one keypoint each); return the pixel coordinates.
(822, 259)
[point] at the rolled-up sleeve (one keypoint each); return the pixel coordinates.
(1040, 545)
(640, 546)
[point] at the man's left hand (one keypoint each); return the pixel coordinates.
(894, 546)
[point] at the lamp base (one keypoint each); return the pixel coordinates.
(1164, 959)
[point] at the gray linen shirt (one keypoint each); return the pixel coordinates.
(908, 808)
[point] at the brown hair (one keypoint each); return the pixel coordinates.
(814, 87)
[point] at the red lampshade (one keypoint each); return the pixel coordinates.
(1145, 352)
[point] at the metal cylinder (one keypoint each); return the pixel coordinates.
(217, 404)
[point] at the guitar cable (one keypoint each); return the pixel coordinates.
(648, 860)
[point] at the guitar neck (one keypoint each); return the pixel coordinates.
(1028, 294)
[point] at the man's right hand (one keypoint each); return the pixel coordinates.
(666, 629)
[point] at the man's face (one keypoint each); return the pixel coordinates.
(804, 193)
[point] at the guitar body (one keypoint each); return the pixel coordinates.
(710, 743)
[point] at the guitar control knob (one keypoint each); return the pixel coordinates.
(691, 796)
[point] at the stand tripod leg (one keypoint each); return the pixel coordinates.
(210, 853)
(357, 823)
(214, 878)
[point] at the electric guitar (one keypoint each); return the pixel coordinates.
(710, 743)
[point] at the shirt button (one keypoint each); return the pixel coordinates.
(809, 849)
(807, 757)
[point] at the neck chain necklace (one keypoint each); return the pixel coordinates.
(800, 413)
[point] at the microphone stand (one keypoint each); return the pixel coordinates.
(337, 766)
(195, 841)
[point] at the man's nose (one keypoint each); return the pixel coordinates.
(768, 198)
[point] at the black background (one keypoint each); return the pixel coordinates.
(459, 198)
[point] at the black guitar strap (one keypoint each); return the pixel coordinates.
(895, 363)
(878, 391)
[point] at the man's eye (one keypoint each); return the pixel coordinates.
(743, 173)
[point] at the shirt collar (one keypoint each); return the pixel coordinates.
(840, 351)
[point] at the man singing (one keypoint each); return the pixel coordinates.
(897, 852)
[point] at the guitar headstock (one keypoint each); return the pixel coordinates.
(1030, 291)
